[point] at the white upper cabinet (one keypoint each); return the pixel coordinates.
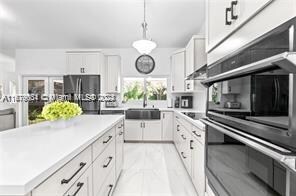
(85, 63)
(224, 17)
(178, 71)
(113, 69)
(195, 54)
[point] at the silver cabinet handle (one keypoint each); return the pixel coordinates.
(106, 141)
(233, 4)
(191, 147)
(184, 138)
(178, 127)
(110, 189)
(183, 156)
(66, 181)
(109, 161)
(227, 11)
(79, 185)
(197, 135)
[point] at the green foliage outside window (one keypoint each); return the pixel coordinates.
(133, 91)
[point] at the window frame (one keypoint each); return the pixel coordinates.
(145, 86)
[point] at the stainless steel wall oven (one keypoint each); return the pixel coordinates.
(251, 117)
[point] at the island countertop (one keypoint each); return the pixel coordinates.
(30, 154)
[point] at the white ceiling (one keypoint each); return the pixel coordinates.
(97, 23)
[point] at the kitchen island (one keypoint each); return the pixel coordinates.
(38, 160)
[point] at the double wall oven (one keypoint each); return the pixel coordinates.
(251, 118)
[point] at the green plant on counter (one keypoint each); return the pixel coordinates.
(60, 110)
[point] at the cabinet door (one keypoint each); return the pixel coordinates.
(198, 172)
(152, 130)
(113, 74)
(189, 58)
(167, 126)
(83, 186)
(246, 9)
(119, 149)
(75, 63)
(216, 18)
(185, 148)
(178, 72)
(108, 185)
(133, 130)
(189, 85)
(92, 63)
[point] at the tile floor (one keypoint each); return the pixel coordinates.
(153, 170)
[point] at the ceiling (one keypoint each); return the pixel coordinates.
(97, 23)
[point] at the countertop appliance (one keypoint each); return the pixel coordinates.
(177, 102)
(111, 104)
(78, 86)
(186, 101)
(232, 105)
(257, 148)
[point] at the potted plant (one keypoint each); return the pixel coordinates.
(60, 113)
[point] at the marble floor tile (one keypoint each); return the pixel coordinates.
(153, 170)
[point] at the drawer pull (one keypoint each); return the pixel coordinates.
(66, 181)
(106, 141)
(183, 156)
(110, 189)
(109, 161)
(197, 135)
(120, 133)
(178, 127)
(184, 138)
(191, 147)
(79, 185)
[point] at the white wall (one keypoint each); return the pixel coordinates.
(53, 61)
(7, 74)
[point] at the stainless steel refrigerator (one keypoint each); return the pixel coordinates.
(78, 86)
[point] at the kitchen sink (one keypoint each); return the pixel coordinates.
(142, 113)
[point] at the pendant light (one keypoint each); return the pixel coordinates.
(144, 46)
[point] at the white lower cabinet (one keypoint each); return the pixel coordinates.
(109, 184)
(139, 130)
(119, 149)
(83, 186)
(152, 130)
(93, 172)
(167, 126)
(133, 130)
(198, 161)
(189, 141)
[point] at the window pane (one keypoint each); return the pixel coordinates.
(156, 88)
(133, 89)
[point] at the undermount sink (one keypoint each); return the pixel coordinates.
(142, 113)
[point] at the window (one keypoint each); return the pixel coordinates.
(135, 89)
(156, 88)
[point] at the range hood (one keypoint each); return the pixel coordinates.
(286, 61)
(199, 74)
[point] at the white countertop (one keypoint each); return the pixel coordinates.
(29, 155)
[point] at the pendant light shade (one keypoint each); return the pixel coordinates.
(144, 46)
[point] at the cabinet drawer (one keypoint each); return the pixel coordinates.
(99, 145)
(83, 186)
(103, 165)
(62, 180)
(108, 186)
(198, 134)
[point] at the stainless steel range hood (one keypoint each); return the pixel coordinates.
(199, 74)
(286, 61)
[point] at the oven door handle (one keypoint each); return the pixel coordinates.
(287, 161)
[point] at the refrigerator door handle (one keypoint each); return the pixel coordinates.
(80, 86)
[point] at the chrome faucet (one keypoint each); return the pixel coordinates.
(144, 100)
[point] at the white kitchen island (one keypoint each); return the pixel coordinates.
(38, 160)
